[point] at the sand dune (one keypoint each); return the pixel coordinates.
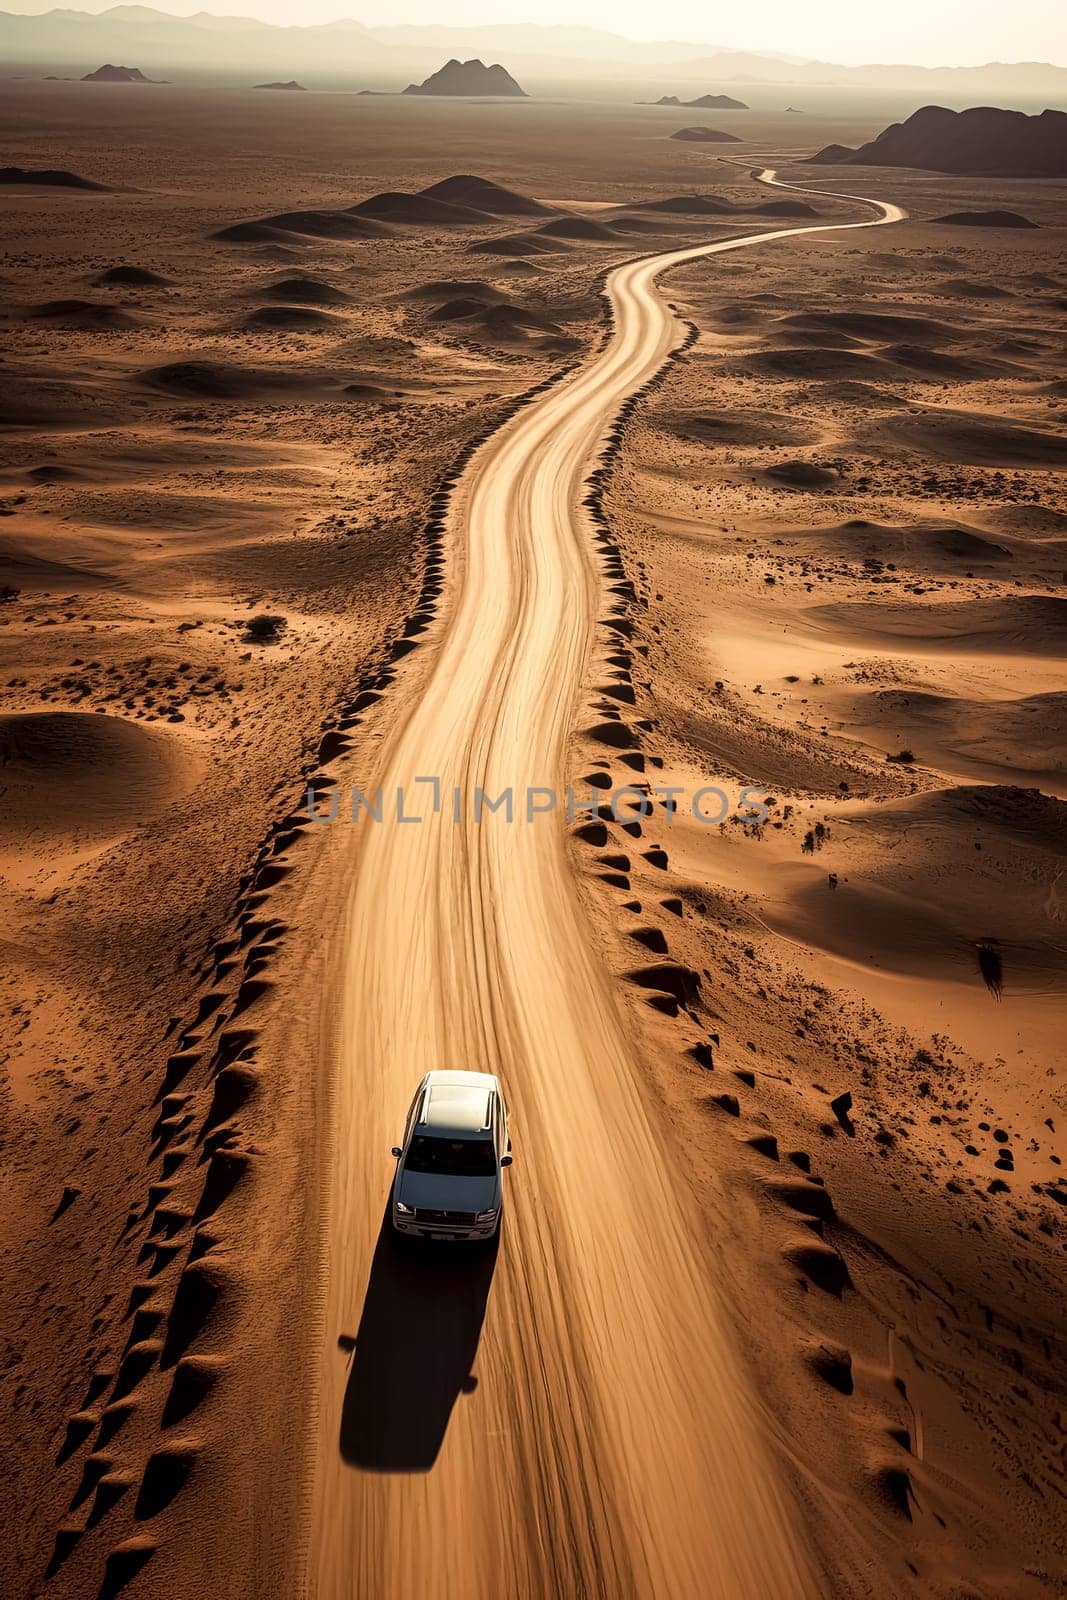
(517, 244)
(817, 361)
(704, 135)
(1023, 738)
(496, 320)
(690, 205)
(784, 208)
(461, 201)
(802, 475)
(24, 569)
(483, 195)
(291, 318)
(128, 277)
(922, 360)
(986, 219)
(922, 546)
(69, 776)
(421, 210)
(48, 177)
(1030, 519)
(577, 228)
(745, 427)
(976, 440)
(219, 380)
(625, 224)
(920, 910)
(302, 290)
(851, 393)
(85, 314)
(1029, 624)
(874, 325)
(289, 225)
(970, 289)
(454, 288)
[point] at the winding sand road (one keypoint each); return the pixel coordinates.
(607, 1443)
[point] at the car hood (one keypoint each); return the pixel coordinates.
(436, 1191)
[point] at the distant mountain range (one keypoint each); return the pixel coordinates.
(347, 55)
(983, 140)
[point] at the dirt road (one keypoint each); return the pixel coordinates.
(569, 1417)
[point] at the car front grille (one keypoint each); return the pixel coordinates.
(445, 1219)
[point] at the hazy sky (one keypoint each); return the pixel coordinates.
(930, 32)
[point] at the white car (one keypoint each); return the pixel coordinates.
(448, 1170)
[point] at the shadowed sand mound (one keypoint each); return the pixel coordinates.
(815, 362)
(738, 315)
(705, 136)
(1043, 521)
(215, 380)
(85, 314)
(1026, 735)
(499, 319)
(288, 226)
(131, 278)
(739, 427)
(652, 225)
(689, 205)
(303, 292)
(1028, 624)
(970, 289)
(1040, 818)
(849, 393)
(453, 289)
(24, 569)
(482, 194)
(921, 360)
(48, 177)
(65, 774)
(785, 208)
(460, 308)
(418, 209)
(577, 228)
(913, 903)
(801, 475)
(941, 546)
(872, 324)
(290, 319)
(986, 219)
(517, 244)
(966, 440)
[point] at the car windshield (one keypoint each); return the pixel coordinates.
(460, 1158)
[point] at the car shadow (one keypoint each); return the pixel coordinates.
(417, 1339)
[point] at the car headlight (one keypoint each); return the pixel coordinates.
(403, 1210)
(485, 1216)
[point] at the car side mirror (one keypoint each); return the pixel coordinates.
(505, 1161)
(396, 1151)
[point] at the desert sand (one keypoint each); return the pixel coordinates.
(384, 448)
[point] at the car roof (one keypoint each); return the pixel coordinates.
(458, 1102)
